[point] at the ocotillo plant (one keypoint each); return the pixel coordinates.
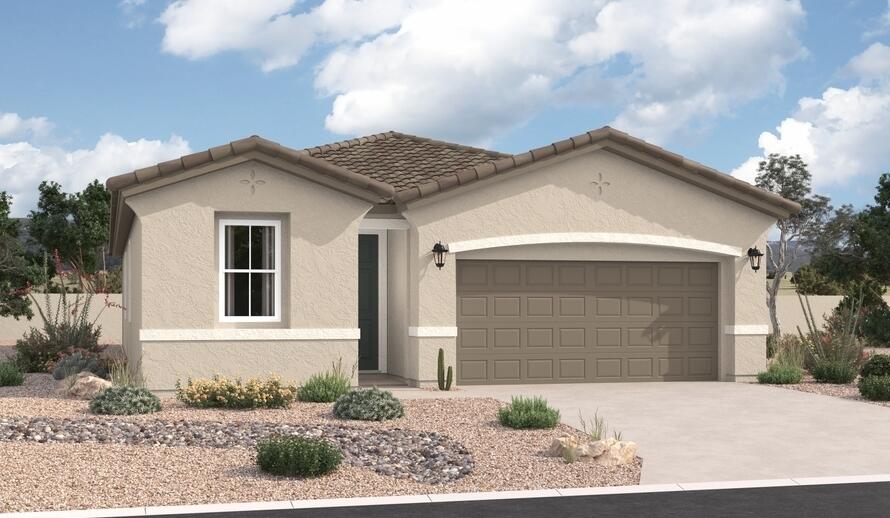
(444, 381)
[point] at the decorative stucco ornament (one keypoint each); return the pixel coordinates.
(253, 182)
(600, 183)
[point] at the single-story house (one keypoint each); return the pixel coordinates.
(598, 258)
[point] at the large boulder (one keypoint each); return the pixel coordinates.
(617, 453)
(607, 452)
(86, 385)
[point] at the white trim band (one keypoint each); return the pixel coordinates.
(432, 332)
(211, 335)
(754, 330)
(596, 237)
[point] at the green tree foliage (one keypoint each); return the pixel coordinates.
(15, 274)
(810, 281)
(789, 177)
(74, 224)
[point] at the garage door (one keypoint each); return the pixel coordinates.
(571, 322)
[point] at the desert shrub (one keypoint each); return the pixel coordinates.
(875, 388)
(790, 350)
(225, 393)
(125, 401)
(66, 324)
(528, 412)
(297, 456)
(876, 365)
(327, 386)
(781, 374)
(834, 353)
(77, 362)
(834, 371)
(876, 326)
(10, 375)
(370, 404)
(122, 374)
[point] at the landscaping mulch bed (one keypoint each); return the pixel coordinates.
(849, 391)
(193, 469)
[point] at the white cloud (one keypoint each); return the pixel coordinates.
(24, 164)
(471, 70)
(842, 134)
(13, 126)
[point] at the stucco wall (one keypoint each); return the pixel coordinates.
(109, 318)
(164, 363)
(560, 197)
(178, 269)
(398, 361)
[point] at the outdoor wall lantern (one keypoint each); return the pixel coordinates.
(754, 256)
(439, 251)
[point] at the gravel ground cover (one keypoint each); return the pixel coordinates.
(72, 475)
(426, 457)
(849, 391)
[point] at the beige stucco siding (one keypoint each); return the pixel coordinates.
(398, 354)
(179, 274)
(165, 363)
(559, 197)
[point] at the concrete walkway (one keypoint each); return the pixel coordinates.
(698, 432)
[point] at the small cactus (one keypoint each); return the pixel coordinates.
(444, 382)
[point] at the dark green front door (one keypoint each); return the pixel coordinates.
(367, 302)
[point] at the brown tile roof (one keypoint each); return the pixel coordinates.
(402, 161)
(395, 167)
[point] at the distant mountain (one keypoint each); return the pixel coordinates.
(803, 257)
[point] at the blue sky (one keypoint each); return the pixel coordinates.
(99, 88)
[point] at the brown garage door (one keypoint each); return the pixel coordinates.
(570, 322)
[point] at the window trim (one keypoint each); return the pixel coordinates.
(221, 237)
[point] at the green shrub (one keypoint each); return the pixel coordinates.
(528, 412)
(875, 388)
(790, 350)
(67, 325)
(325, 387)
(225, 393)
(876, 326)
(370, 404)
(781, 374)
(297, 456)
(834, 352)
(808, 280)
(77, 362)
(876, 365)
(122, 374)
(125, 401)
(834, 371)
(10, 375)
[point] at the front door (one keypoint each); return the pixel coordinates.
(367, 302)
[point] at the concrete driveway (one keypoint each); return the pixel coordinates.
(699, 432)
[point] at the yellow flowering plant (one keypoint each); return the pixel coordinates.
(222, 392)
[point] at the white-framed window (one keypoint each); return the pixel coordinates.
(249, 270)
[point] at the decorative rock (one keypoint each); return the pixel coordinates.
(87, 385)
(426, 457)
(617, 453)
(607, 452)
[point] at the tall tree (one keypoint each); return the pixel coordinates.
(14, 271)
(865, 254)
(74, 224)
(789, 177)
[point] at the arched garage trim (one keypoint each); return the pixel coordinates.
(596, 237)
